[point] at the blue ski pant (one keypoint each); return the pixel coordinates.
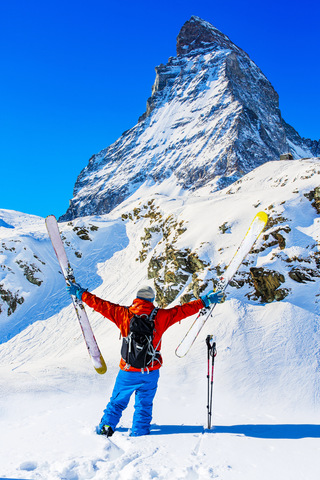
(145, 386)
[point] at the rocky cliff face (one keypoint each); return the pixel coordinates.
(212, 117)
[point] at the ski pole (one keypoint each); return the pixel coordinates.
(208, 377)
(212, 352)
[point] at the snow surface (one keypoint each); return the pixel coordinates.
(266, 392)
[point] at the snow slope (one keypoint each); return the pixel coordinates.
(26, 248)
(266, 393)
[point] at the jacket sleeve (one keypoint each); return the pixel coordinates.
(173, 315)
(116, 313)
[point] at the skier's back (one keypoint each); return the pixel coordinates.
(136, 377)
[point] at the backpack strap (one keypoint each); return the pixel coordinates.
(153, 314)
(153, 351)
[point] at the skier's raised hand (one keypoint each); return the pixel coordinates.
(76, 290)
(212, 297)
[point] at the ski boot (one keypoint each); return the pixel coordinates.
(105, 430)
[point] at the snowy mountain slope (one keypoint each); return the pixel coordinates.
(266, 396)
(213, 116)
(181, 244)
(29, 267)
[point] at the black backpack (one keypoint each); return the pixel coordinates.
(137, 349)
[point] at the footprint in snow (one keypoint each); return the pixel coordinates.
(113, 451)
(28, 466)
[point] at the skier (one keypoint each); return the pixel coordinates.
(141, 378)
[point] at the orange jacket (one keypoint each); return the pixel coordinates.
(121, 316)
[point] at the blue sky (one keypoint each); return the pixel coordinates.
(76, 74)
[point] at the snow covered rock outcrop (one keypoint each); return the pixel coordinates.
(213, 116)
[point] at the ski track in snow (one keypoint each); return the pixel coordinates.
(58, 443)
(48, 416)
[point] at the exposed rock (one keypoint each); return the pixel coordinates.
(170, 268)
(303, 275)
(313, 145)
(274, 237)
(267, 283)
(240, 279)
(314, 197)
(30, 271)
(172, 271)
(198, 34)
(11, 299)
(278, 237)
(275, 220)
(82, 233)
(224, 228)
(194, 289)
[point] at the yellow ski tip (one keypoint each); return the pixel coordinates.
(102, 368)
(262, 216)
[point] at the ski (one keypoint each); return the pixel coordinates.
(253, 233)
(89, 338)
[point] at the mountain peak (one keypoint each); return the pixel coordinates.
(197, 33)
(212, 117)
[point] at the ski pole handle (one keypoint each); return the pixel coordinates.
(211, 346)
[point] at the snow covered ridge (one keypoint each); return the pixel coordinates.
(31, 285)
(213, 116)
(179, 243)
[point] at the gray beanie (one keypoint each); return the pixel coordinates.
(146, 293)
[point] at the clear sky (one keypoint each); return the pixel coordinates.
(75, 74)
